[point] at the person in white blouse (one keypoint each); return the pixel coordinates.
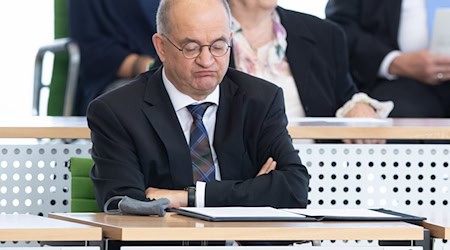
(389, 54)
(304, 55)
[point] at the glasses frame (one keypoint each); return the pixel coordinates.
(200, 46)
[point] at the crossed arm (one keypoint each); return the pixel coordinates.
(178, 198)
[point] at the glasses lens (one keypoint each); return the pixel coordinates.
(219, 48)
(191, 50)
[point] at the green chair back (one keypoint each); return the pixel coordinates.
(82, 188)
(61, 61)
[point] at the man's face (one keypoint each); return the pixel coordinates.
(202, 22)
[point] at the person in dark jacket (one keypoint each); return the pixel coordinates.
(115, 39)
(388, 43)
(304, 55)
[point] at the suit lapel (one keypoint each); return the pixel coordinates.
(162, 117)
(228, 135)
(394, 8)
(299, 55)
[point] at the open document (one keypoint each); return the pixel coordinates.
(440, 39)
(293, 214)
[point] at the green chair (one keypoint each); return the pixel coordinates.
(82, 188)
(63, 85)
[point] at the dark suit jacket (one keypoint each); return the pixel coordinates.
(371, 27)
(317, 55)
(138, 142)
(108, 31)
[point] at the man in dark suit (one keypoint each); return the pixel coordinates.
(389, 57)
(141, 132)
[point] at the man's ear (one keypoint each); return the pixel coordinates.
(158, 43)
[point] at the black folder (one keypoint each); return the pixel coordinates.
(390, 216)
(241, 214)
(218, 214)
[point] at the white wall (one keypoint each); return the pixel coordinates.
(25, 25)
(313, 7)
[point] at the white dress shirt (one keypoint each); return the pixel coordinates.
(179, 102)
(412, 33)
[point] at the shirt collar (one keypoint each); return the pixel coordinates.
(180, 100)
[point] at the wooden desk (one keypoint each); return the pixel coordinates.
(398, 128)
(303, 128)
(175, 227)
(23, 227)
(438, 223)
(45, 127)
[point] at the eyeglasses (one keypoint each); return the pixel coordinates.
(192, 49)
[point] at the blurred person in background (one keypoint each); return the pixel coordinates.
(388, 43)
(304, 55)
(115, 39)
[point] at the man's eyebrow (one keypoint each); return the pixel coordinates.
(191, 40)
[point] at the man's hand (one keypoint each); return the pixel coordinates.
(177, 198)
(362, 109)
(267, 167)
(422, 66)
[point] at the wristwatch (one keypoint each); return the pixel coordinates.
(191, 196)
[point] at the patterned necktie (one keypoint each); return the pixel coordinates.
(202, 161)
(432, 6)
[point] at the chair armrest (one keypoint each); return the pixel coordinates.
(59, 45)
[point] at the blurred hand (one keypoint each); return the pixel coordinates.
(422, 66)
(362, 109)
(267, 167)
(177, 198)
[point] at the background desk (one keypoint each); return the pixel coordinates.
(23, 227)
(175, 227)
(44, 127)
(303, 128)
(397, 128)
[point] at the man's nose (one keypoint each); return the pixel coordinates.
(205, 58)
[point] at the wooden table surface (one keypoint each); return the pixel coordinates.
(44, 127)
(438, 222)
(178, 227)
(22, 227)
(302, 128)
(398, 128)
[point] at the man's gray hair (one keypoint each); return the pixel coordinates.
(163, 25)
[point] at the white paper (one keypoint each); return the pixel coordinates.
(440, 39)
(340, 212)
(242, 212)
(335, 119)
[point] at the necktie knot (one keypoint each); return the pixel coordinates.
(198, 110)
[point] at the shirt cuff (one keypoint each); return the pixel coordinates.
(200, 187)
(386, 63)
(382, 108)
